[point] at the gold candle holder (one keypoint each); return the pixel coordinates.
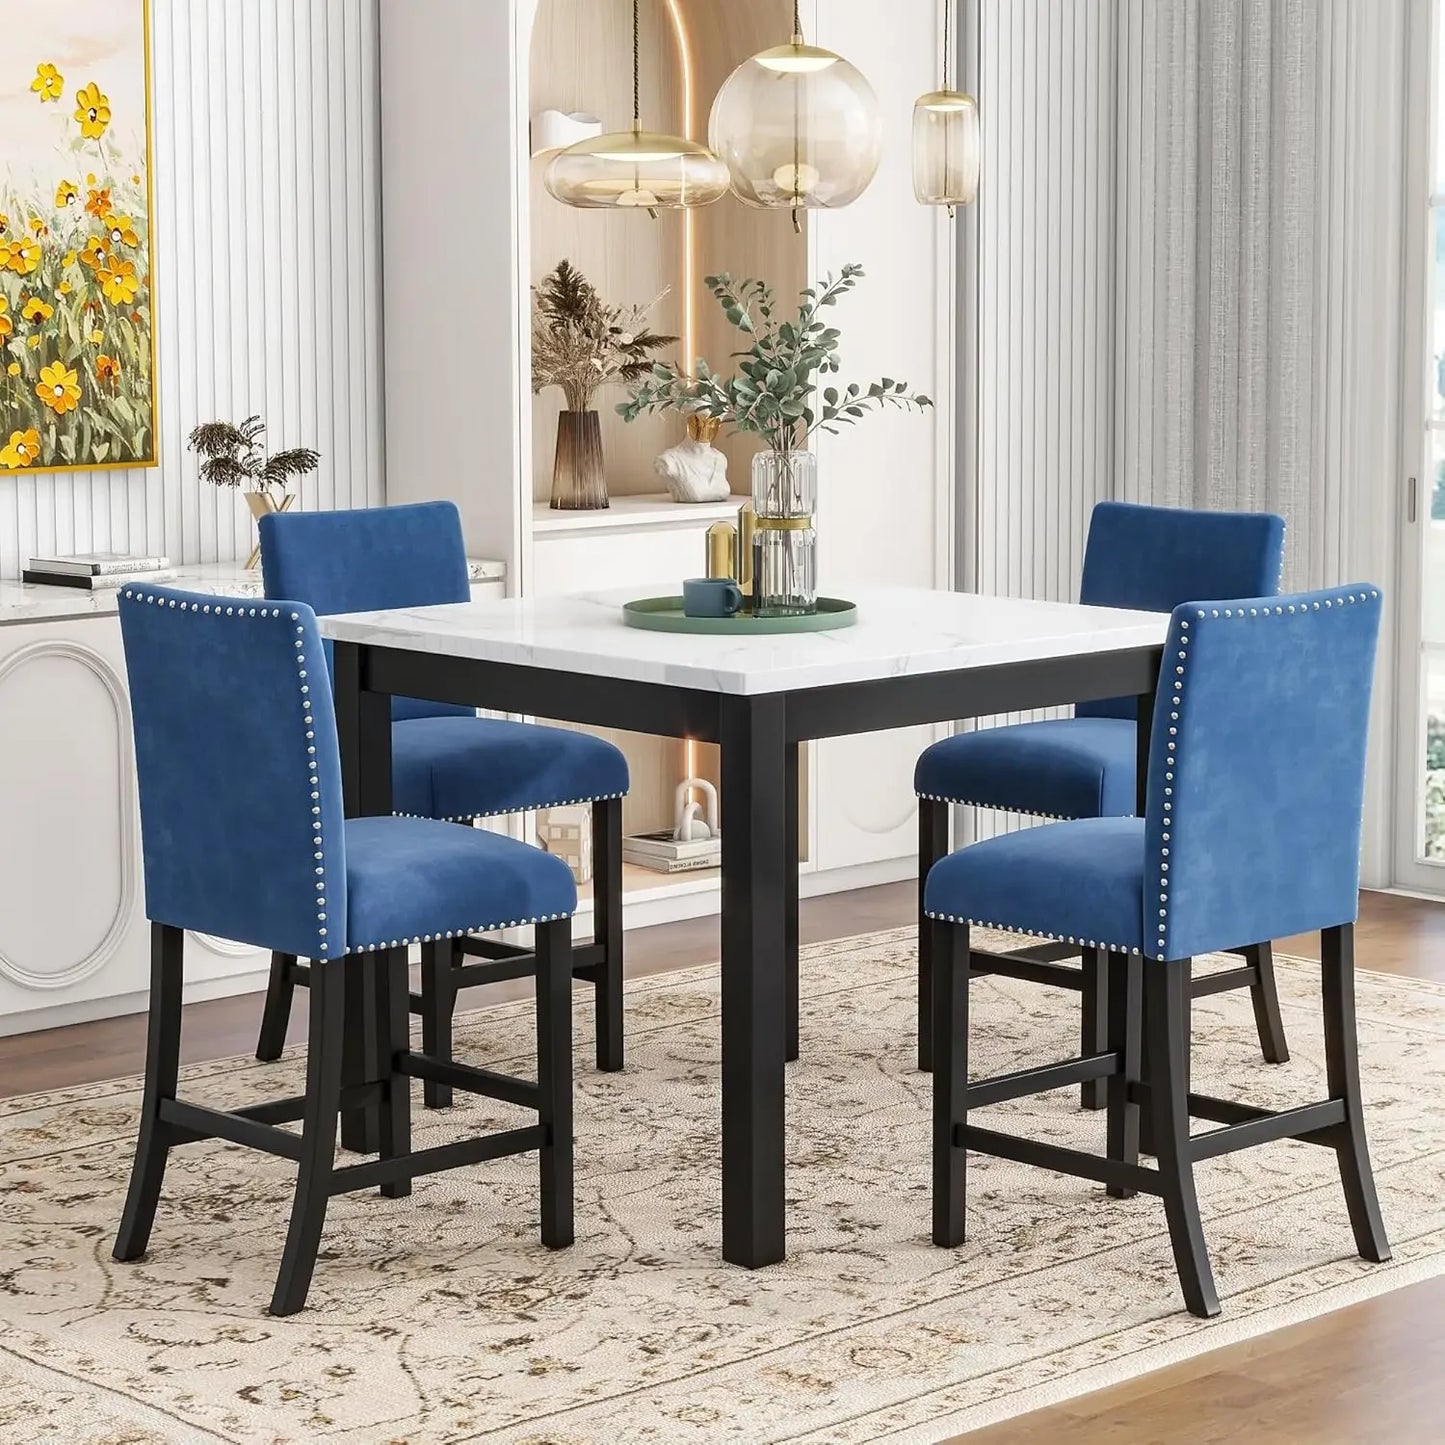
(722, 550)
(747, 525)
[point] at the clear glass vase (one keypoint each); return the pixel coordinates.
(785, 542)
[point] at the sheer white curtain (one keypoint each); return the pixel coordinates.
(1257, 300)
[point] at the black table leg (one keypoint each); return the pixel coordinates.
(790, 900)
(756, 882)
(363, 731)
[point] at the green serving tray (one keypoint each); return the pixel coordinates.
(665, 614)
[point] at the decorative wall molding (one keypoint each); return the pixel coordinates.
(128, 893)
(268, 299)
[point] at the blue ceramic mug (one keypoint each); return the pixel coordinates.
(711, 597)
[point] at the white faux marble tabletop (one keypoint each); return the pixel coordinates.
(900, 632)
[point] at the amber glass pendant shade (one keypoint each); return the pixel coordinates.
(946, 148)
(636, 170)
(798, 128)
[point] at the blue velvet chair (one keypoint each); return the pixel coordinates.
(1256, 775)
(243, 836)
(1086, 766)
(449, 763)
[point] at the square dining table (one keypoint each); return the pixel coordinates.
(914, 656)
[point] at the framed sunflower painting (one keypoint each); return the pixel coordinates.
(77, 340)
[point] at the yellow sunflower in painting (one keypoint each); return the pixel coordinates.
(13, 369)
(36, 311)
(95, 251)
(6, 324)
(97, 202)
(107, 368)
(119, 282)
(58, 388)
(122, 231)
(24, 256)
(67, 193)
(48, 82)
(24, 448)
(92, 110)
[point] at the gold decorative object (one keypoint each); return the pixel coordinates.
(798, 128)
(262, 504)
(722, 550)
(703, 428)
(636, 169)
(747, 527)
(946, 141)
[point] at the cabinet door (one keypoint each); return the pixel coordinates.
(71, 918)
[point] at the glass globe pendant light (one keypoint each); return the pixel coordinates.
(636, 169)
(946, 141)
(798, 128)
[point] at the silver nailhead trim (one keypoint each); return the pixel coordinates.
(456, 932)
(1032, 932)
(507, 812)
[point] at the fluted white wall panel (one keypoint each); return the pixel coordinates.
(265, 156)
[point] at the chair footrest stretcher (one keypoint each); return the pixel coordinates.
(433, 1161)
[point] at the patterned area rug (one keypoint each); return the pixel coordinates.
(441, 1319)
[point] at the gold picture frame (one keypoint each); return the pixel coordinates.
(77, 244)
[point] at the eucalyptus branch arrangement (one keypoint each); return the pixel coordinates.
(580, 344)
(774, 394)
(234, 457)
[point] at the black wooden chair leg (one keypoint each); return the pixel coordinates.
(1094, 1023)
(949, 1018)
(932, 845)
(318, 1133)
(276, 1014)
(554, 1078)
(393, 987)
(438, 1000)
(1124, 1030)
(607, 929)
(1264, 995)
(1166, 1008)
(1342, 1069)
(163, 1052)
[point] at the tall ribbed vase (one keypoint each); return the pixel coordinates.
(785, 542)
(579, 479)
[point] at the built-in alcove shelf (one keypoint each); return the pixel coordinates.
(655, 510)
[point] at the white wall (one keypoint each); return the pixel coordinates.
(267, 266)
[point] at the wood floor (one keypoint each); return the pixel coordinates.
(1368, 1373)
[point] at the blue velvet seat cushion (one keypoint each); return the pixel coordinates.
(472, 767)
(1082, 879)
(1061, 768)
(409, 878)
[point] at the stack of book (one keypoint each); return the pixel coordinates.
(95, 571)
(665, 854)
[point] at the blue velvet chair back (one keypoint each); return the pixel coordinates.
(1257, 769)
(368, 559)
(1154, 558)
(240, 779)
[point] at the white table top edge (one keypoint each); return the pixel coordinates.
(901, 632)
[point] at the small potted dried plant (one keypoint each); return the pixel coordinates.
(233, 456)
(580, 344)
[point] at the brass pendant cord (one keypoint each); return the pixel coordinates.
(636, 72)
(947, 37)
(797, 122)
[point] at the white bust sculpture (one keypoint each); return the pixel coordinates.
(694, 470)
